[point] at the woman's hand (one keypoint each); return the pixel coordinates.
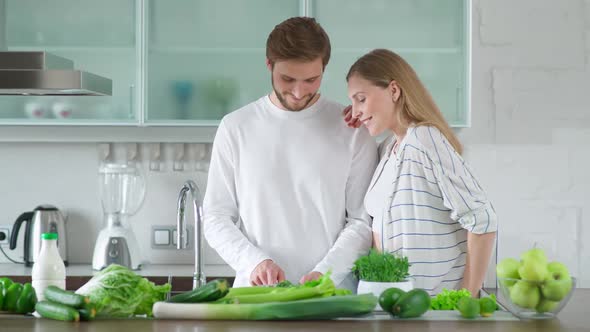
(267, 273)
(352, 122)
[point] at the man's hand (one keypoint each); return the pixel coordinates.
(266, 273)
(313, 275)
(350, 121)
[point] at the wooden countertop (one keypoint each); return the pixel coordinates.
(574, 317)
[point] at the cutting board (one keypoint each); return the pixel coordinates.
(164, 310)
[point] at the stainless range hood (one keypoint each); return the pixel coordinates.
(42, 73)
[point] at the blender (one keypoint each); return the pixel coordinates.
(122, 189)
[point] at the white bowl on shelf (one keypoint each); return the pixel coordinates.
(36, 110)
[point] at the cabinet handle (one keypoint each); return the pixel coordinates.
(131, 101)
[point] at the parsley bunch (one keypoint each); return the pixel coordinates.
(381, 267)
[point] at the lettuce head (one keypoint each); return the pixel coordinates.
(118, 292)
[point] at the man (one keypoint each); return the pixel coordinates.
(287, 178)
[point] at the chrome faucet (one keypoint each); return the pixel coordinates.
(181, 233)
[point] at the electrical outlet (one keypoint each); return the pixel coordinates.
(164, 237)
(5, 234)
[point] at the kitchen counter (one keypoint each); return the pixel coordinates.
(574, 317)
(152, 270)
(78, 274)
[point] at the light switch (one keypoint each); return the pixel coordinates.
(162, 237)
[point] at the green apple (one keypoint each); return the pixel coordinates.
(525, 294)
(558, 283)
(534, 268)
(546, 306)
(558, 271)
(535, 254)
(508, 268)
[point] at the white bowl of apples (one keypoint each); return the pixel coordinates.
(533, 288)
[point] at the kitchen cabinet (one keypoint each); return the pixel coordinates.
(181, 64)
(99, 36)
(432, 35)
(207, 58)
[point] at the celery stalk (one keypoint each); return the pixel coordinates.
(238, 291)
(290, 295)
(322, 287)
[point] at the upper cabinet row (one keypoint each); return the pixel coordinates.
(190, 62)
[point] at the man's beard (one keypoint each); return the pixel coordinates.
(285, 103)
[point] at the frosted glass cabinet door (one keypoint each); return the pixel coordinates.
(207, 58)
(432, 35)
(98, 36)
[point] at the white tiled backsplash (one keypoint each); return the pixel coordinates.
(529, 144)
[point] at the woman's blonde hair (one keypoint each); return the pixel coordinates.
(382, 66)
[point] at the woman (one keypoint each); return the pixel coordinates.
(425, 202)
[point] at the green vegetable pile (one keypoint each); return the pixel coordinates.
(17, 298)
(118, 292)
(316, 299)
(448, 299)
(381, 267)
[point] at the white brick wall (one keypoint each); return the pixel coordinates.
(530, 139)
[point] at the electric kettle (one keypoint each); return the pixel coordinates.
(44, 219)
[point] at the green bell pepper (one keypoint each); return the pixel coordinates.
(1, 296)
(27, 300)
(12, 295)
(5, 282)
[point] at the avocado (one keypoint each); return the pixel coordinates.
(412, 304)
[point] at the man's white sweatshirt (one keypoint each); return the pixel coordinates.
(289, 186)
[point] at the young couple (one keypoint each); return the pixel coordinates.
(295, 190)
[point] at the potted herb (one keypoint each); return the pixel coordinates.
(378, 271)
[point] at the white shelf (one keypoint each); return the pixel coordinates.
(182, 123)
(107, 133)
(204, 50)
(258, 50)
(70, 122)
(427, 50)
(60, 49)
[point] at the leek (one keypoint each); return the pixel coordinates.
(317, 308)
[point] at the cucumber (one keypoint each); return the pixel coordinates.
(211, 291)
(57, 311)
(412, 304)
(58, 295)
(27, 300)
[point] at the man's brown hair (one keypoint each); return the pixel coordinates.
(298, 38)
